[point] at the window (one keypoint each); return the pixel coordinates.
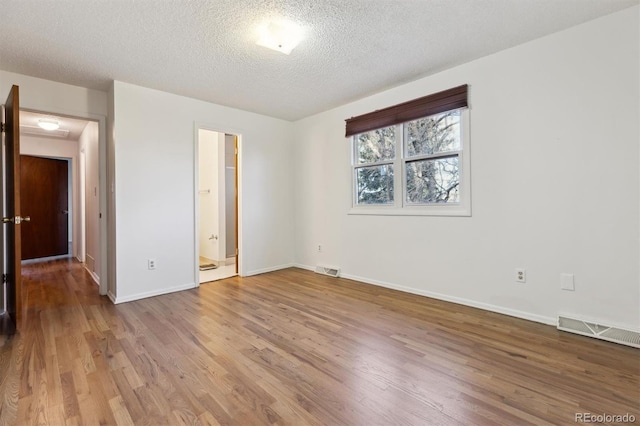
(416, 167)
(375, 158)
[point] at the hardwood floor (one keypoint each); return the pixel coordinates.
(293, 347)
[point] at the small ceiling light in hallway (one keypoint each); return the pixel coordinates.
(48, 123)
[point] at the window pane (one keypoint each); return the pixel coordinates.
(375, 185)
(434, 134)
(433, 181)
(376, 145)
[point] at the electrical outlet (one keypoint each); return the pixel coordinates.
(151, 264)
(521, 275)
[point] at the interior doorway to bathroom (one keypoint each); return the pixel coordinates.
(217, 208)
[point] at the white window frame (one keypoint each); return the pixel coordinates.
(400, 207)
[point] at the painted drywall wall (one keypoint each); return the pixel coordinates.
(153, 146)
(48, 96)
(59, 148)
(555, 184)
(89, 147)
(208, 195)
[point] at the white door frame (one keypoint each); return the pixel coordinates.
(102, 178)
(196, 209)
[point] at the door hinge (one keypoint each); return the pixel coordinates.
(3, 128)
(236, 252)
(5, 278)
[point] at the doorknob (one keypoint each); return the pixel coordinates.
(17, 220)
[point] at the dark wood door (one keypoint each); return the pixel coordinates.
(44, 183)
(12, 220)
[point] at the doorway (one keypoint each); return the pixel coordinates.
(216, 205)
(76, 141)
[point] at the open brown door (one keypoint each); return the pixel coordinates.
(44, 183)
(12, 217)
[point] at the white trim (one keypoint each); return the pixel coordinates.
(103, 209)
(197, 125)
(270, 269)
(434, 210)
(196, 203)
(94, 276)
(301, 266)
(453, 299)
(46, 259)
(458, 300)
(112, 297)
(147, 294)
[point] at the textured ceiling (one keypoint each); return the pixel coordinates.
(206, 49)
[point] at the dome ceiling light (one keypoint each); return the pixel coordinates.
(281, 35)
(48, 124)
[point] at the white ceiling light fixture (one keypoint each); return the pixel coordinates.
(48, 124)
(281, 35)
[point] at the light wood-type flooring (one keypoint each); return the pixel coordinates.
(295, 348)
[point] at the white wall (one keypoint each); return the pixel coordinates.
(153, 144)
(48, 96)
(60, 148)
(89, 146)
(554, 146)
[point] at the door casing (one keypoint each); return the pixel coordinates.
(238, 198)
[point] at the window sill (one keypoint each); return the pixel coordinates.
(457, 211)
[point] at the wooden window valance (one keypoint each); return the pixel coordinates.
(422, 107)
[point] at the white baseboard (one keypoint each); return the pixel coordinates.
(453, 299)
(46, 259)
(94, 276)
(116, 300)
(272, 269)
(112, 297)
(308, 268)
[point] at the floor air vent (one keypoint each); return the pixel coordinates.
(325, 270)
(599, 331)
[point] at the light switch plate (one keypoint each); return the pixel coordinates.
(567, 282)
